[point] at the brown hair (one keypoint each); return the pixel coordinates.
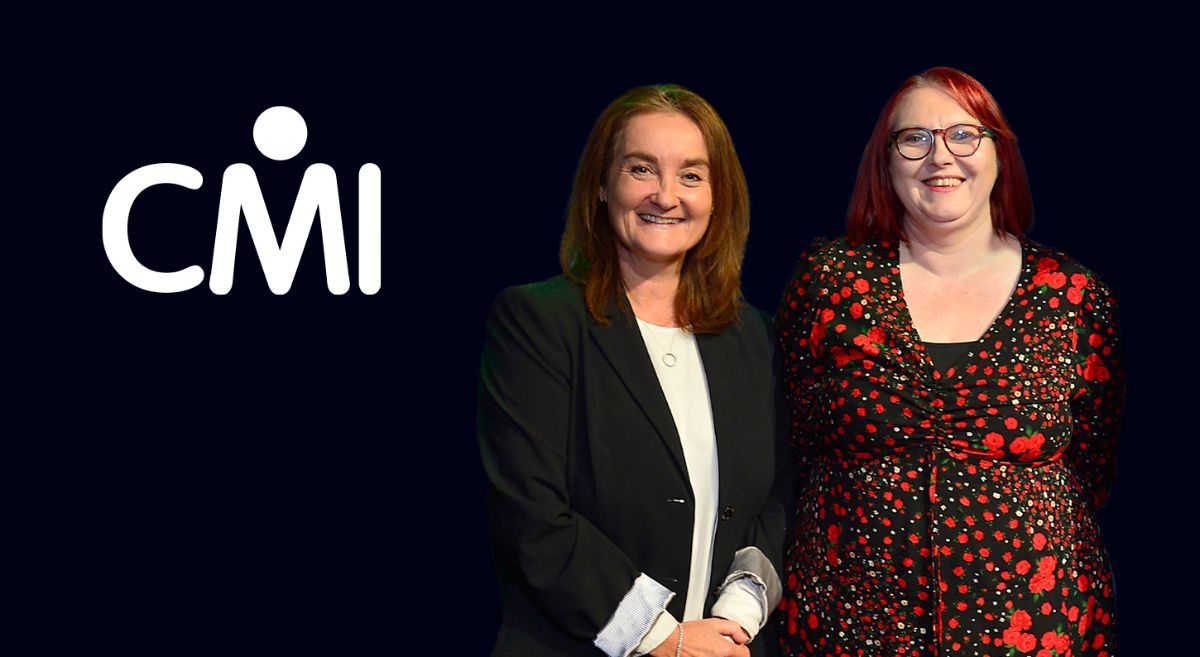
(710, 281)
(875, 211)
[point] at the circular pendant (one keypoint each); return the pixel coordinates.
(669, 359)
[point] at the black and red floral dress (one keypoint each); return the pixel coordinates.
(948, 511)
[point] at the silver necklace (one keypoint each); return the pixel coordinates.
(668, 357)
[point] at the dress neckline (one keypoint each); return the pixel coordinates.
(914, 337)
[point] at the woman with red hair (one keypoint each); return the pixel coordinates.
(955, 391)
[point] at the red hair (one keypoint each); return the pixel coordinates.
(875, 210)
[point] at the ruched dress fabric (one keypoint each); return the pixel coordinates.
(948, 512)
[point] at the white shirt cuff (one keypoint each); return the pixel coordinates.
(663, 629)
(637, 615)
(742, 601)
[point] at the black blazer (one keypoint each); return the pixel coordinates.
(586, 481)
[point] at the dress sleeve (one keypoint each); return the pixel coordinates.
(567, 567)
(799, 335)
(1100, 396)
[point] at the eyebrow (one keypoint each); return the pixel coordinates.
(638, 155)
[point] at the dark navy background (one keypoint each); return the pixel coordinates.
(299, 472)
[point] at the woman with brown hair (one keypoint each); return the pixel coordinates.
(628, 415)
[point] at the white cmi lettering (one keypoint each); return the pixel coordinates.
(280, 134)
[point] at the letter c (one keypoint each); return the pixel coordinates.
(116, 228)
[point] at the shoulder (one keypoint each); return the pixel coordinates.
(751, 335)
(1056, 268)
(554, 296)
(754, 323)
(554, 305)
(824, 254)
(825, 259)
(1059, 273)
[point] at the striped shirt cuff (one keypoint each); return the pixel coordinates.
(634, 618)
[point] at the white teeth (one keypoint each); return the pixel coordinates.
(660, 220)
(943, 182)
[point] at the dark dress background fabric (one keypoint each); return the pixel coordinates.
(949, 511)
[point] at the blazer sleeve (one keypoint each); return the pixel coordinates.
(570, 570)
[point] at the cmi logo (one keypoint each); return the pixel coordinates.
(280, 134)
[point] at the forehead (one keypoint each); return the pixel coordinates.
(665, 135)
(929, 107)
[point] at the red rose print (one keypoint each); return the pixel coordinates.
(965, 485)
(1095, 370)
(1041, 582)
(815, 337)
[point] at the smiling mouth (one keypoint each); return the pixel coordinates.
(943, 182)
(655, 219)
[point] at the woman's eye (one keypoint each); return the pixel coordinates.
(962, 135)
(692, 177)
(914, 138)
(640, 170)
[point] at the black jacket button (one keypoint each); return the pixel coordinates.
(727, 513)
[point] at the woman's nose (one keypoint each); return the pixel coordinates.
(939, 153)
(666, 196)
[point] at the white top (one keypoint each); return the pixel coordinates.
(686, 390)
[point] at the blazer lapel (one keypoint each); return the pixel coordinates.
(622, 345)
(724, 373)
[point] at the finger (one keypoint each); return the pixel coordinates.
(733, 630)
(738, 651)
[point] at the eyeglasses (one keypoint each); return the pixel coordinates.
(962, 140)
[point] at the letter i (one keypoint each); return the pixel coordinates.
(369, 201)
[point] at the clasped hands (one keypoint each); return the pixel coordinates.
(710, 637)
